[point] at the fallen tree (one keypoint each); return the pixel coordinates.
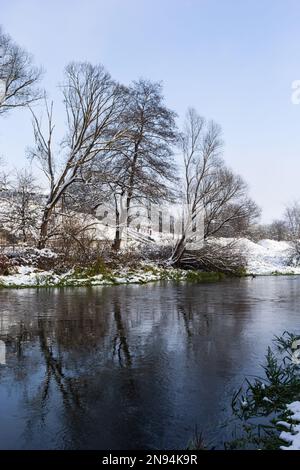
(216, 257)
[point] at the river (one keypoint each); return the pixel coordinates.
(134, 367)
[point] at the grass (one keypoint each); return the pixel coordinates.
(95, 269)
(199, 276)
(99, 274)
(261, 402)
(197, 442)
(278, 273)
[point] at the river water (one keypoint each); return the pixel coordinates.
(134, 367)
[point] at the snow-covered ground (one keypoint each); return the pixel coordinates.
(292, 436)
(266, 257)
(32, 277)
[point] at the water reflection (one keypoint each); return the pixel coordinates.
(120, 342)
(2, 353)
(132, 366)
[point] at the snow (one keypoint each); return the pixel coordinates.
(266, 399)
(269, 257)
(296, 357)
(265, 257)
(291, 437)
(37, 278)
(24, 270)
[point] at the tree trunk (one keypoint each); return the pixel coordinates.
(117, 241)
(131, 181)
(128, 201)
(44, 228)
(178, 250)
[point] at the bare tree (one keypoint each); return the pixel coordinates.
(18, 75)
(3, 177)
(142, 161)
(218, 257)
(292, 220)
(211, 190)
(278, 230)
(200, 144)
(93, 103)
(85, 196)
(228, 210)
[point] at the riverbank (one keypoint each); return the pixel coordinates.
(42, 268)
(266, 257)
(85, 277)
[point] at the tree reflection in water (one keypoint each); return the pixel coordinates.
(120, 342)
(130, 366)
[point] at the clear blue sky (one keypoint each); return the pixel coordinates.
(233, 60)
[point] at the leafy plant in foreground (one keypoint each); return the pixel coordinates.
(261, 403)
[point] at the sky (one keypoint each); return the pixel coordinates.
(234, 61)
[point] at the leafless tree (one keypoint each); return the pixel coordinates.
(278, 230)
(76, 240)
(93, 103)
(200, 145)
(3, 177)
(18, 75)
(211, 191)
(228, 210)
(85, 196)
(142, 161)
(292, 219)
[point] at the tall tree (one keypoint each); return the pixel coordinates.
(143, 159)
(93, 103)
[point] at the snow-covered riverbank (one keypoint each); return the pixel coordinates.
(292, 435)
(267, 257)
(27, 277)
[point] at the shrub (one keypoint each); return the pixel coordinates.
(4, 265)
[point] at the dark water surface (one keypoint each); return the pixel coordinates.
(131, 367)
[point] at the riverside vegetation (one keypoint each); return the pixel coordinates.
(263, 405)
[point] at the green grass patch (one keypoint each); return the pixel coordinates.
(96, 268)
